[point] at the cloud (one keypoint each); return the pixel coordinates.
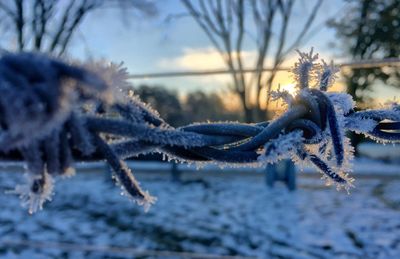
(202, 59)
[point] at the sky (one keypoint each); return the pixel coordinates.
(172, 41)
(158, 44)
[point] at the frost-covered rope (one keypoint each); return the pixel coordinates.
(52, 112)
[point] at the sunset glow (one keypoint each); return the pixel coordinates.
(291, 88)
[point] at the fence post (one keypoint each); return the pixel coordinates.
(175, 173)
(290, 175)
(284, 171)
(271, 175)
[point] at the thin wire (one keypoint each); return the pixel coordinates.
(125, 251)
(370, 63)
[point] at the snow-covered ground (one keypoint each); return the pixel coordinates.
(213, 215)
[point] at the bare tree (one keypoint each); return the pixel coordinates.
(49, 25)
(224, 22)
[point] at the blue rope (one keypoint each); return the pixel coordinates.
(43, 117)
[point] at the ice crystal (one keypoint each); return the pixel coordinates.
(304, 70)
(282, 94)
(143, 199)
(285, 146)
(360, 125)
(37, 190)
(327, 75)
(53, 113)
(343, 102)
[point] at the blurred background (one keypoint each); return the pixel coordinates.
(203, 60)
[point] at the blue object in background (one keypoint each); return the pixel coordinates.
(283, 171)
(175, 173)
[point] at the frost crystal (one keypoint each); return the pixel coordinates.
(327, 75)
(304, 69)
(35, 192)
(53, 113)
(343, 102)
(285, 146)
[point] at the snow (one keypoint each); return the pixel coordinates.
(219, 214)
(361, 166)
(378, 151)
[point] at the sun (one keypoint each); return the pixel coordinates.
(290, 88)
